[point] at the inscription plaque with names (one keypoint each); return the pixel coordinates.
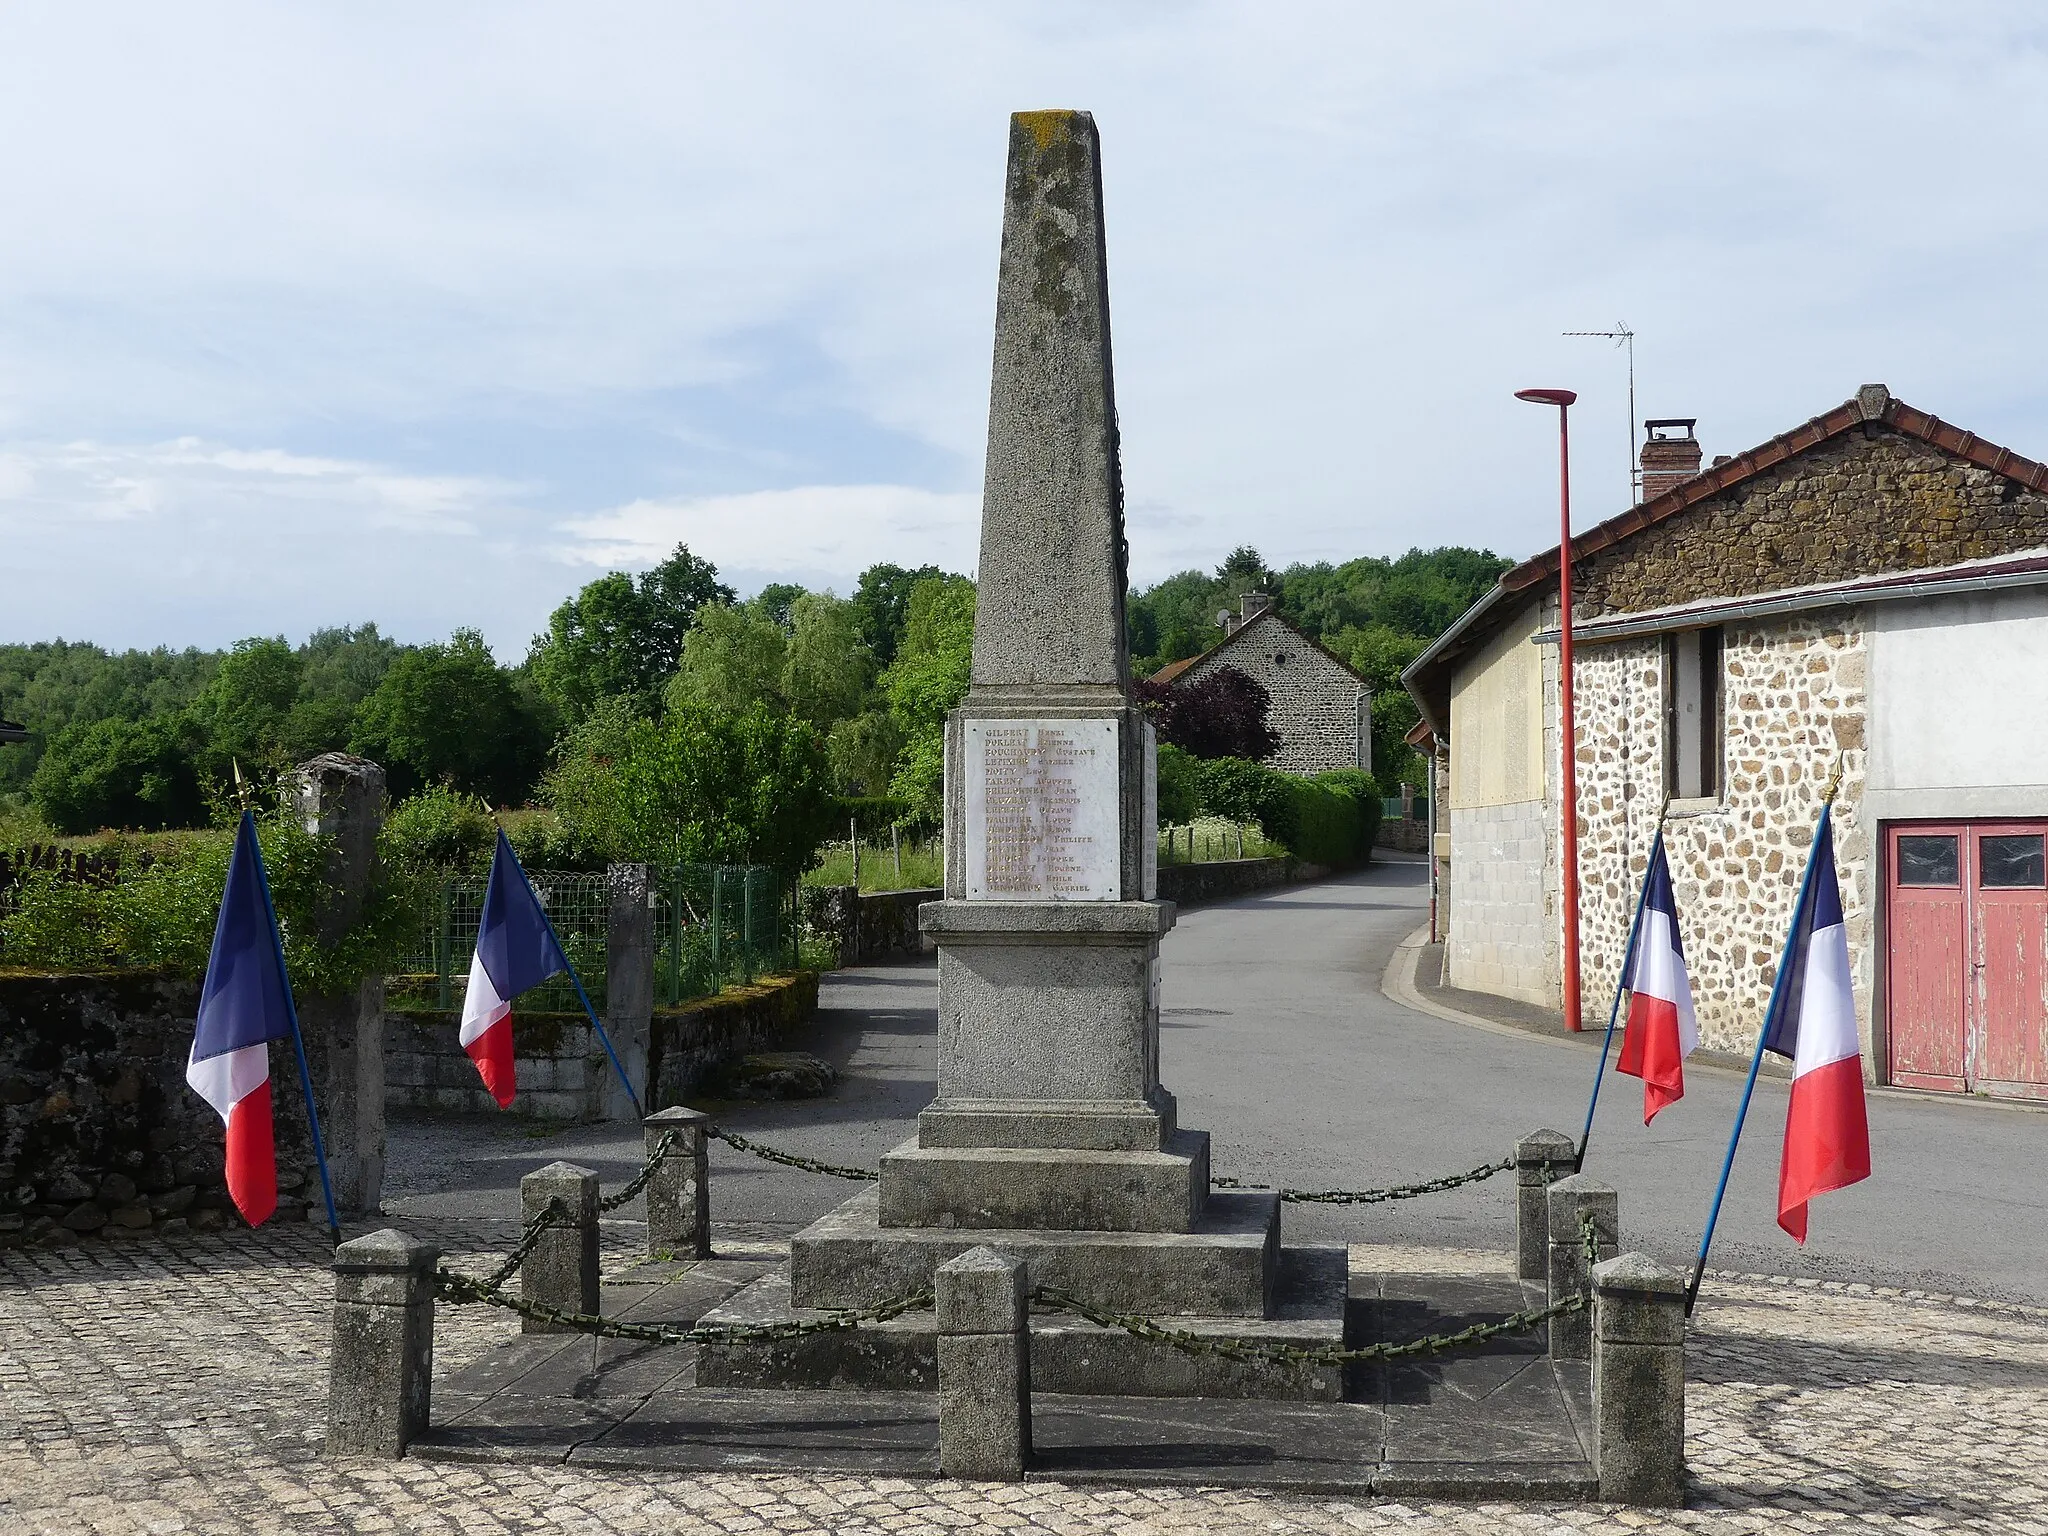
(1042, 803)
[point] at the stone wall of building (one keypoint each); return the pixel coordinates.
(1320, 710)
(99, 1132)
(1795, 694)
(1500, 915)
(1870, 501)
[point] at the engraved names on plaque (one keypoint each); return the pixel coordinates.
(1043, 811)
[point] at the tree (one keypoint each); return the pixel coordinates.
(732, 660)
(777, 602)
(828, 670)
(927, 679)
(881, 605)
(697, 786)
(1222, 713)
(139, 774)
(245, 707)
(864, 752)
(617, 638)
(449, 714)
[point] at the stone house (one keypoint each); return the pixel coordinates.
(1321, 709)
(1868, 591)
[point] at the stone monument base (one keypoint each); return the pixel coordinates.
(1068, 1353)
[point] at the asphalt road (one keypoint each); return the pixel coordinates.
(1279, 1042)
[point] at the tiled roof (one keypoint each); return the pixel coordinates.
(1872, 403)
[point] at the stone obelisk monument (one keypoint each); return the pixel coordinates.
(1050, 1112)
(1051, 1138)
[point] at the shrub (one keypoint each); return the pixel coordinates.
(440, 829)
(1180, 786)
(1331, 819)
(159, 914)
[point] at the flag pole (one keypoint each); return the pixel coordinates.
(1692, 1291)
(298, 1040)
(1635, 929)
(584, 998)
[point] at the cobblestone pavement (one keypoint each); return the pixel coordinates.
(152, 1386)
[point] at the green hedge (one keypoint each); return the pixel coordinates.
(1331, 819)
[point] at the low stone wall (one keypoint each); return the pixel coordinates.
(562, 1068)
(1403, 836)
(691, 1042)
(98, 1130)
(881, 925)
(560, 1065)
(1190, 885)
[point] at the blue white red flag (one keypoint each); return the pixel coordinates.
(244, 1005)
(1662, 1029)
(515, 950)
(1827, 1133)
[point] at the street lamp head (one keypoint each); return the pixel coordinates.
(1558, 397)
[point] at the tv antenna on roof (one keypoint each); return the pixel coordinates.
(1622, 336)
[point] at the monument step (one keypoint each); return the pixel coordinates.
(1226, 1266)
(1068, 1354)
(1021, 1189)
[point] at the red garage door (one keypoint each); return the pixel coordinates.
(1967, 968)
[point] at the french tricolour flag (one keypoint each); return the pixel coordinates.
(1661, 1030)
(1827, 1134)
(244, 1005)
(515, 950)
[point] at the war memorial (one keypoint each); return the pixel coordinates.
(1045, 1281)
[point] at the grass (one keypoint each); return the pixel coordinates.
(1213, 838)
(922, 866)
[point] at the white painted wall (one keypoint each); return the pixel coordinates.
(1959, 705)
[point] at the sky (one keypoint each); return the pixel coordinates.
(427, 315)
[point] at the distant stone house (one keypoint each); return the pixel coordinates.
(1868, 590)
(1321, 709)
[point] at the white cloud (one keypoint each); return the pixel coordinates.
(822, 535)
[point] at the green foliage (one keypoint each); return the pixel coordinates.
(732, 660)
(1331, 819)
(776, 602)
(440, 829)
(864, 751)
(927, 679)
(828, 668)
(448, 714)
(1180, 786)
(871, 815)
(618, 638)
(542, 841)
(697, 786)
(53, 685)
(881, 606)
(160, 914)
(140, 774)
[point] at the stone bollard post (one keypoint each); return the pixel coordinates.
(629, 985)
(382, 1369)
(679, 1193)
(341, 797)
(1571, 1334)
(1639, 1381)
(562, 1269)
(1532, 1197)
(984, 1366)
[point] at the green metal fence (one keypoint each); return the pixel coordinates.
(713, 924)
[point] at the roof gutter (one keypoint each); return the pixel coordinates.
(1700, 616)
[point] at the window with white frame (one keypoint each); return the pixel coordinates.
(1692, 715)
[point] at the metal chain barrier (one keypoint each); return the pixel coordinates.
(1294, 1354)
(556, 1215)
(638, 1182)
(790, 1159)
(1376, 1196)
(461, 1290)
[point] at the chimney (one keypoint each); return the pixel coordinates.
(1671, 454)
(1251, 605)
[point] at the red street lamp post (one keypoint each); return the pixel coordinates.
(1568, 748)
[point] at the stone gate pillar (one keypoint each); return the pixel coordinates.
(341, 797)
